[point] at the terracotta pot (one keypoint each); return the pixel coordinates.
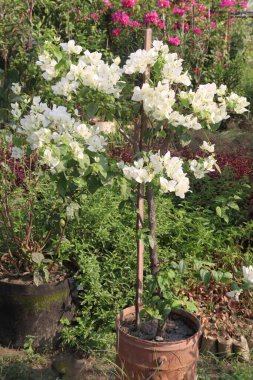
(139, 359)
(32, 310)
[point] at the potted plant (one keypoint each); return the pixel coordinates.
(34, 289)
(40, 195)
(151, 116)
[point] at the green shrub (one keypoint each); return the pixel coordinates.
(102, 245)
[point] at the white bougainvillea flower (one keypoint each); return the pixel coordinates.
(15, 110)
(234, 294)
(71, 47)
(50, 159)
(16, 88)
(248, 273)
(207, 147)
(17, 153)
(167, 186)
(237, 103)
(47, 65)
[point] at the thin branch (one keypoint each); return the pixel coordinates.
(153, 248)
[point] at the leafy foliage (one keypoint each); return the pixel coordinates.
(199, 243)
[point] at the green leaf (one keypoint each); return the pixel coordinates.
(233, 205)
(219, 211)
(227, 276)
(93, 184)
(185, 139)
(62, 186)
(91, 110)
(85, 162)
(37, 279)
(205, 276)
(217, 275)
(176, 304)
(151, 241)
(57, 54)
(191, 307)
(182, 266)
(37, 257)
(225, 217)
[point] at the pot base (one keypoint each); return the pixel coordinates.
(139, 359)
(35, 311)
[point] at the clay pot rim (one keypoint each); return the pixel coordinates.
(152, 343)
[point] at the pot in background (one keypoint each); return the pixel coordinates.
(27, 309)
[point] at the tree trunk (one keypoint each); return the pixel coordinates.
(153, 249)
(139, 134)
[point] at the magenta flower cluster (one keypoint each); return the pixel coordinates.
(181, 14)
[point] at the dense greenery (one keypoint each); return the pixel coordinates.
(102, 245)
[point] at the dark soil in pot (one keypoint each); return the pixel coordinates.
(175, 329)
(27, 309)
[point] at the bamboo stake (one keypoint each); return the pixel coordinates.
(140, 200)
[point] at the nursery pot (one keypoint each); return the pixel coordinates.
(27, 309)
(139, 359)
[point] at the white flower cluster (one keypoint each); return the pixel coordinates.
(247, 277)
(172, 71)
(47, 65)
(204, 165)
(145, 170)
(16, 88)
(210, 104)
(91, 71)
(47, 129)
(139, 61)
(15, 110)
(157, 101)
(237, 103)
(248, 274)
(71, 47)
(170, 170)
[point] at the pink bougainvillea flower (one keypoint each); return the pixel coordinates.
(232, 20)
(151, 18)
(116, 32)
(128, 3)
(178, 11)
(227, 3)
(186, 27)
(202, 8)
(197, 31)
(108, 4)
(121, 18)
(135, 24)
(163, 4)
(213, 25)
(244, 5)
(94, 17)
(174, 41)
(161, 24)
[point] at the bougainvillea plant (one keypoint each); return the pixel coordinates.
(201, 32)
(150, 114)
